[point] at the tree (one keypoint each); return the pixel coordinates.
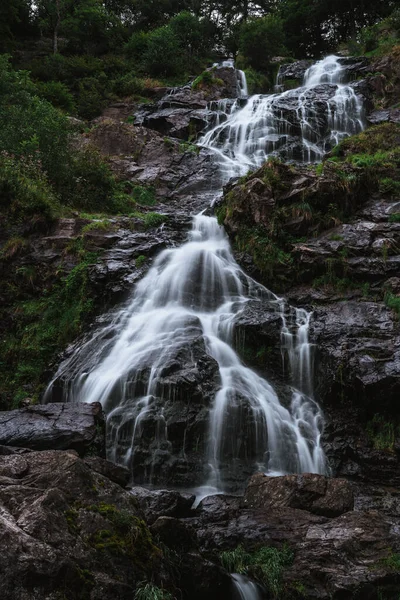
(260, 40)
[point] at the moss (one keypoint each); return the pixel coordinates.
(206, 79)
(128, 536)
(153, 219)
(71, 516)
(140, 260)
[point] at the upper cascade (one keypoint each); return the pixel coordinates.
(301, 125)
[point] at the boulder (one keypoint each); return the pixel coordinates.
(163, 503)
(54, 426)
(71, 532)
(314, 493)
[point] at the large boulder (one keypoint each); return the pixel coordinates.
(54, 426)
(314, 493)
(70, 532)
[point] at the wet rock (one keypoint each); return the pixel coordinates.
(147, 157)
(314, 493)
(55, 426)
(70, 530)
(163, 503)
(384, 116)
(219, 507)
(180, 123)
(295, 70)
(116, 473)
(175, 534)
(359, 355)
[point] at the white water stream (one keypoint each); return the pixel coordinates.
(301, 124)
(245, 589)
(198, 290)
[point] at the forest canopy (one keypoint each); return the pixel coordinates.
(311, 27)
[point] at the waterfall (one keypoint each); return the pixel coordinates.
(301, 124)
(185, 309)
(245, 589)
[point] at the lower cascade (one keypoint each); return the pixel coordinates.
(245, 589)
(197, 291)
(215, 421)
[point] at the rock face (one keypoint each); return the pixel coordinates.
(313, 493)
(54, 426)
(338, 552)
(183, 112)
(147, 157)
(70, 532)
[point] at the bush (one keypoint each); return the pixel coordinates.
(162, 56)
(260, 40)
(25, 190)
(128, 85)
(91, 99)
(257, 82)
(31, 126)
(137, 45)
(92, 185)
(58, 94)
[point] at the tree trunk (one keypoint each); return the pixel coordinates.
(57, 27)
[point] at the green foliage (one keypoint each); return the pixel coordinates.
(149, 591)
(258, 83)
(266, 565)
(393, 302)
(153, 219)
(144, 196)
(43, 326)
(162, 56)
(140, 260)
(25, 190)
(58, 94)
(31, 126)
(394, 218)
(390, 187)
(392, 562)
(260, 40)
(382, 433)
(206, 79)
(91, 185)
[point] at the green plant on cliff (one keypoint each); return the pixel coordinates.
(382, 433)
(149, 591)
(266, 565)
(42, 327)
(393, 302)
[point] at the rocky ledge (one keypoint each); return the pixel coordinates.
(72, 531)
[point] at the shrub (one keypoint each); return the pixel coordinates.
(265, 565)
(128, 85)
(91, 97)
(260, 40)
(58, 94)
(149, 591)
(25, 190)
(162, 55)
(92, 185)
(31, 126)
(137, 45)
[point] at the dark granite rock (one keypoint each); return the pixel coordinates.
(53, 426)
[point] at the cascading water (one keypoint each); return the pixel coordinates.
(301, 124)
(245, 589)
(187, 306)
